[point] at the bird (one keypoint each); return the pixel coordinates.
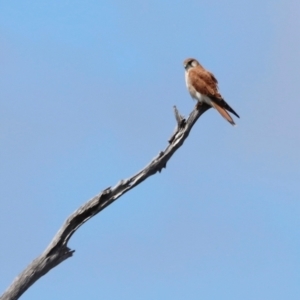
(203, 87)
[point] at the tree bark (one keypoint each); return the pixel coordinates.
(58, 251)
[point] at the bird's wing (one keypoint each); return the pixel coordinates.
(222, 103)
(223, 112)
(205, 83)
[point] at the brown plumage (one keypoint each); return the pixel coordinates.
(203, 86)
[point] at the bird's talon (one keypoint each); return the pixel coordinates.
(199, 105)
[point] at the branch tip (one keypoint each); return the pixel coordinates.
(179, 118)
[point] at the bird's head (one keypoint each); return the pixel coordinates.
(190, 63)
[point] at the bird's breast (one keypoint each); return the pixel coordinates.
(191, 89)
(194, 93)
(187, 79)
(189, 86)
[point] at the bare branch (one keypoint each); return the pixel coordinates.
(58, 251)
(180, 122)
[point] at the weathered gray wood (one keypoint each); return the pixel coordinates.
(58, 251)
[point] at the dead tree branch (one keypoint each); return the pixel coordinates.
(58, 251)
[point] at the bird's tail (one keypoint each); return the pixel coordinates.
(223, 113)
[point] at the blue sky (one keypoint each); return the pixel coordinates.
(86, 96)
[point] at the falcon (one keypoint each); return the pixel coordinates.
(203, 87)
